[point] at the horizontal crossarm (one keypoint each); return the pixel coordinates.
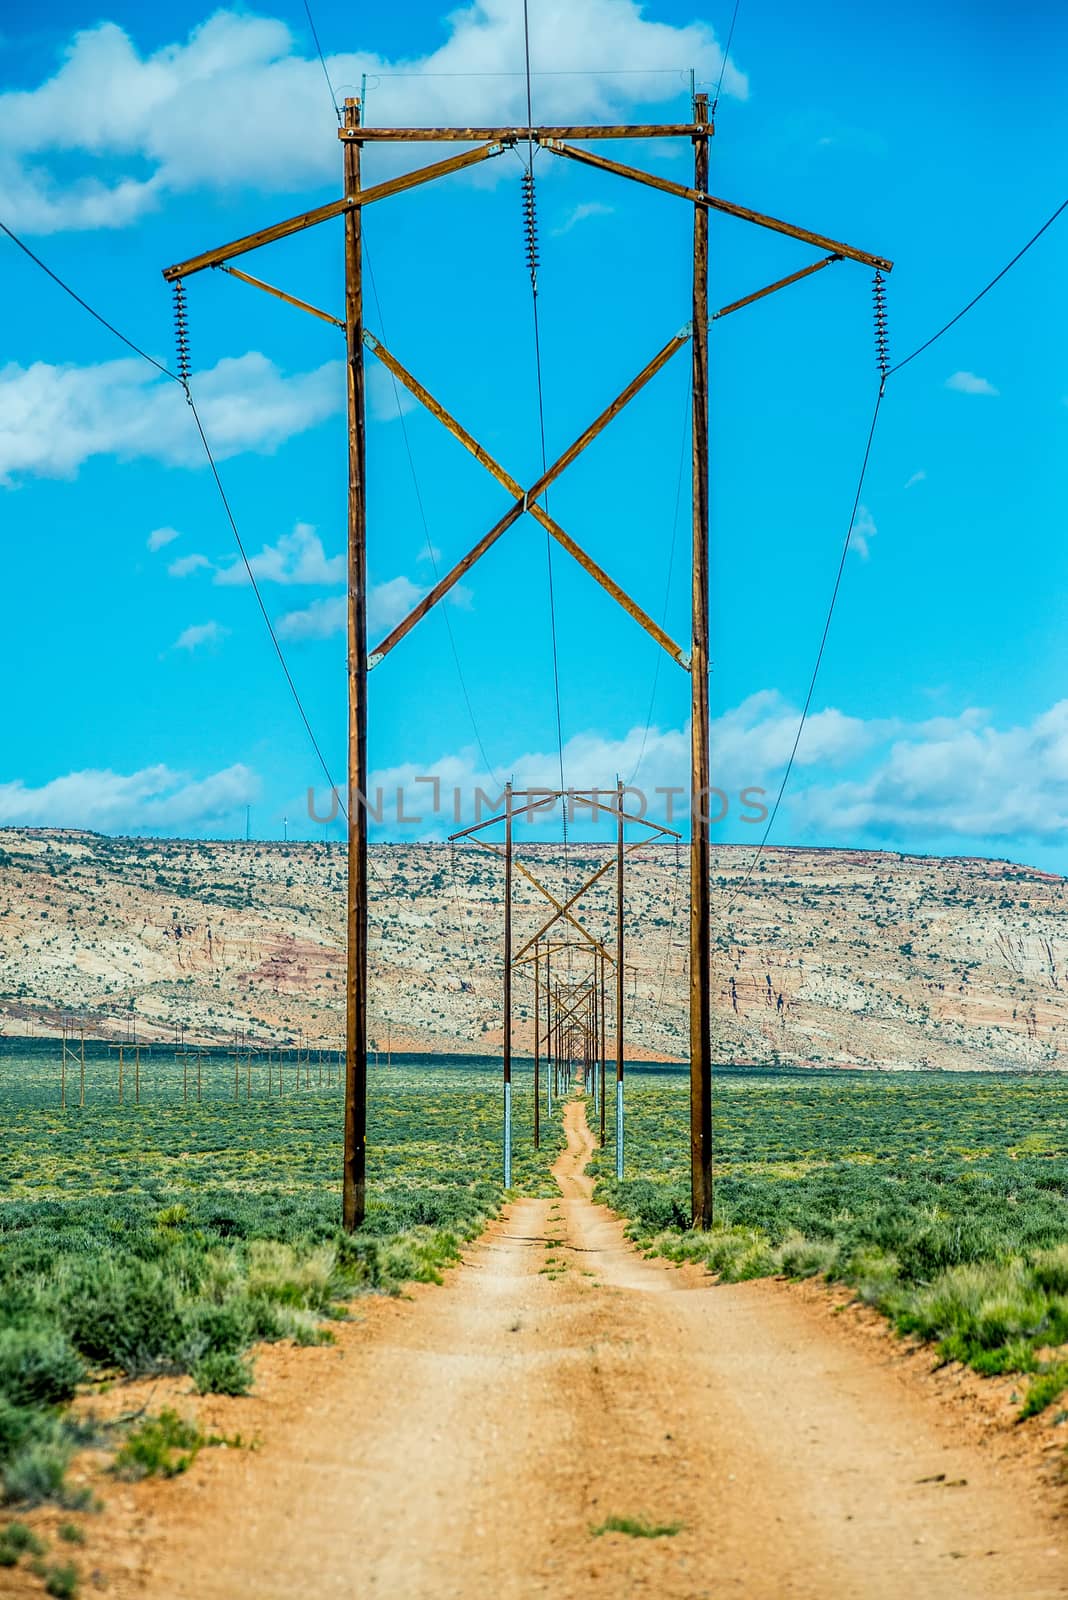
(458, 431)
(639, 130)
(489, 539)
(333, 208)
(559, 148)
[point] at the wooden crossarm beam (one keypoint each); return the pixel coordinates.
(464, 565)
(280, 294)
(656, 828)
(641, 130)
(333, 208)
(700, 197)
(538, 512)
(547, 798)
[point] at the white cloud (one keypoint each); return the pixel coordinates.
(55, 418)
(186, 565)
(297, 558)
(969, 383)
(957, 776)
(863, 531)
(917, 477)
(153, 799)
(162, 536)
(582, 213)
(387, 401)
(387, 604)
(198, 634)
(190, 114)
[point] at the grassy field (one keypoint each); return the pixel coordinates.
(170, 1236)
(943, 1200)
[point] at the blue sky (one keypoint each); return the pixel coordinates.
(144, 692)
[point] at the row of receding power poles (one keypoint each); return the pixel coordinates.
(575, 1007)
(485, 144)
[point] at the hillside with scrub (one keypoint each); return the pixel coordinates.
(822, 957)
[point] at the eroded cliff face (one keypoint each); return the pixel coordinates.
(823, 957)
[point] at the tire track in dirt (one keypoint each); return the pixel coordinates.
(462, 1445)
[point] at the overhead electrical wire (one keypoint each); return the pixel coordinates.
(532, 260)
(887, 372)
(184, 386)
(927, 343)
(322, 62)
(726, 55)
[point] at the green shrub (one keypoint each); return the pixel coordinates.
(62, 1582)
(36, 1462)
(221, 1372)
(162, 1446)
(38, 1366)
(1044, 1389)
(126, 1314)
(1050, 1268)
(19, 1540)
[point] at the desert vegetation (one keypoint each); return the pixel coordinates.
(941, 1200)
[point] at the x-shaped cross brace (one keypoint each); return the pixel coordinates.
(527, 500)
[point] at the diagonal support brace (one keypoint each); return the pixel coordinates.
(524, 501)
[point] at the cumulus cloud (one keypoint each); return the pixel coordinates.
(861, 782)
(970, 383)
(200, 634)
(387, 603)
(162, 536)
(154, 799)
(582, 213)
(189, 115)
(55, 418)
(297, 558)
(185, 565)
(960, 777)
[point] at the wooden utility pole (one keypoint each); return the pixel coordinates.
(604, 1052)
(550, 1055)
(507, 985)
(354, 1195)
(700, 784)
(537, 1050)
(619, 978)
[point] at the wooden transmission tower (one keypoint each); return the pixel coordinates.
(485, 144)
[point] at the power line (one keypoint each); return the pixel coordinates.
(322, 61)
(532, 259)
(927, 343)
(726, 53)
(819, 654)
(167, 373)
(260, 601)
(976, 299)
(110, 326)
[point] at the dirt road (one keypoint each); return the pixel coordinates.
(464, 1444)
